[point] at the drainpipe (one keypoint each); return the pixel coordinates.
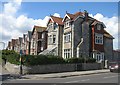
(78, 47)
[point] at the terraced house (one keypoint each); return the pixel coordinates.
(75, 35)
(55, 36)
(38, 40)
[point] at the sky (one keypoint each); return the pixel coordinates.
(18, 17)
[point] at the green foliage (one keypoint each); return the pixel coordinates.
(11, 56)
(81, 60)
(29, 60)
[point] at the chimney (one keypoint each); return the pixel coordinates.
(86, 15)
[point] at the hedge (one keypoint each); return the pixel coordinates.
(28, 60)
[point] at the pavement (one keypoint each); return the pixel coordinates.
(64, 74)
(4, 73)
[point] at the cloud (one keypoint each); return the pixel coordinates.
(13, 26)
(56, 14)
(111, 26)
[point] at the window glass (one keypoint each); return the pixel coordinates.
(54, 38)
(98, 26)
(67, 37)
(98, 38)
(67, 53)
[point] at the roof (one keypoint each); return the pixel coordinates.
(58, 20)
(98, 22)
(74, 16)
(116, 50)
(38, 29)
(106, 34)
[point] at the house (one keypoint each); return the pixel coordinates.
(55, 36)
(16, 48)
(28, 42)
(38, 40)
(9, 47)
(85, 36)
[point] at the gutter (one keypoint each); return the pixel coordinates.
(78, 47)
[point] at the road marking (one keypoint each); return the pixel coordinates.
(110, 77)
(77, 81)
(85, 80)
(71, 81)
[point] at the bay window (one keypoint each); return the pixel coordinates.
(67, 37)
(67, 53)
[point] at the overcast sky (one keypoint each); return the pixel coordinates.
(18, 17)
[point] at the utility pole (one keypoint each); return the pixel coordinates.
(21, 62)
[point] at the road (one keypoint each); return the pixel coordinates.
(93, 78)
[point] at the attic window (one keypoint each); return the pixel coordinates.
(66, 24)
(99, 27)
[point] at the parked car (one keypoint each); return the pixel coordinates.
(114, 66)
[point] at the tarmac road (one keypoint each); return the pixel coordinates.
(93, 78)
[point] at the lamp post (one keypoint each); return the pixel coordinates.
(20, 62)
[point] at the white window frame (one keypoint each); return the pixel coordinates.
(98, 38)
(67, 53)
(54, 37)
(67, 37)
(66, 24)
(50, 39)
(100, 56)
(98, 26)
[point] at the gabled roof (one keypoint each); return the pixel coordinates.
(98, 22)
(73, 16)
(57, 20)
(38, 29)
(106, 34)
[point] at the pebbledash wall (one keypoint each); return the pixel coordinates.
(15, 69)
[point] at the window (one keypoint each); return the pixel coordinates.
(99, 27)
(66, 24)
(54, 38)
(50, 39)
(55, 26)
(67, 53)
(50, 25)
(98, 38)
(67, 37)
(100, 56)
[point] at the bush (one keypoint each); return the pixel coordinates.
(11, 56)
(81, 60)
(29, 60)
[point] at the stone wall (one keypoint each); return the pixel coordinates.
(15, 69)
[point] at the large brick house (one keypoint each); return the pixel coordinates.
(38, 40)
(85, 36)
(55, 36)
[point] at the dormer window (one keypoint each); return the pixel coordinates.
(67, 24)
(50, 25)
(55, 26)
(98, 26)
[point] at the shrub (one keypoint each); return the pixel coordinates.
(28, 60)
